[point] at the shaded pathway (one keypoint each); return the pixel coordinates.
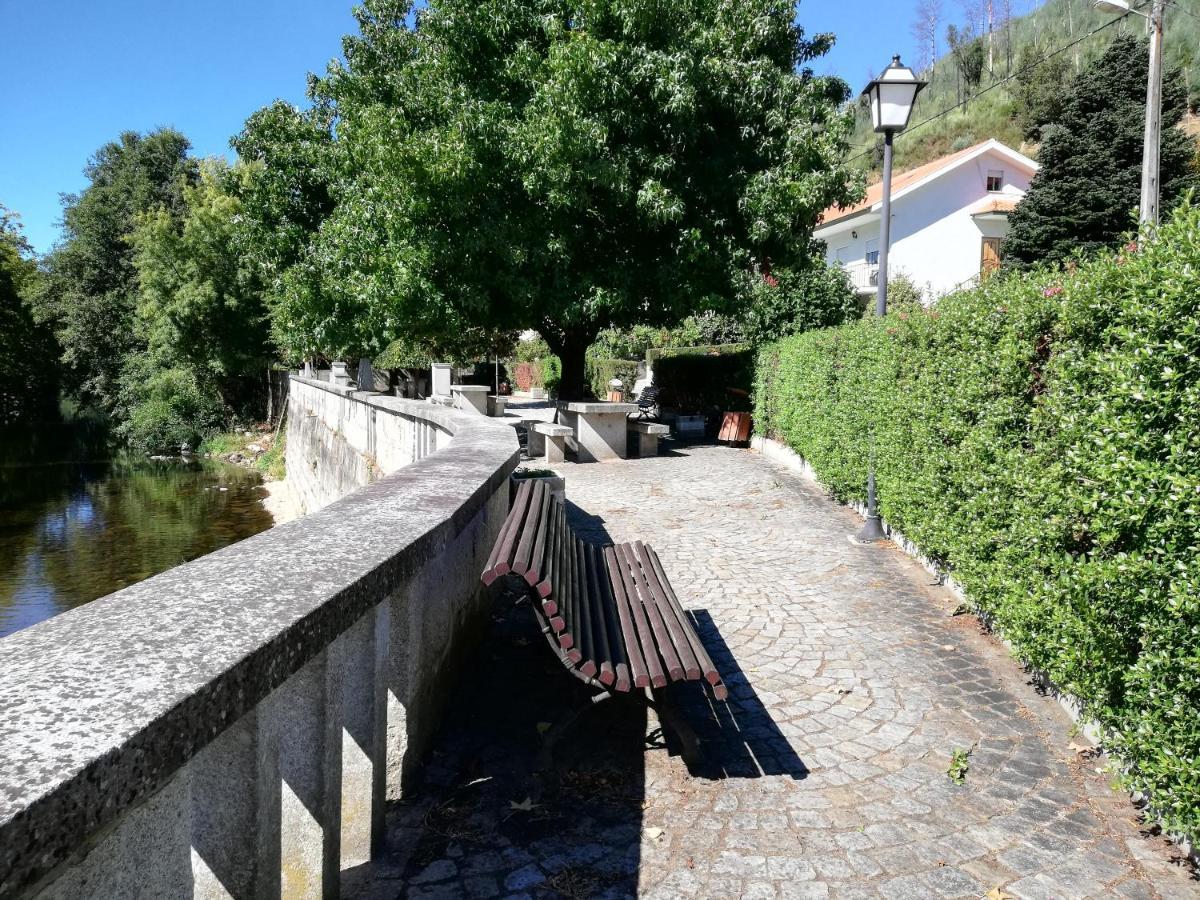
(851, 686)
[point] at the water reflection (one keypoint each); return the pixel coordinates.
(74, 531)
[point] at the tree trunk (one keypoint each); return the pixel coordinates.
(571, 350)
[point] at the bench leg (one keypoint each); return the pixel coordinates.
(535, 444)
(669, 718)
(556, 449)
(647, 445)
(545, 759)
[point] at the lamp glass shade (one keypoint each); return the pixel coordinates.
(1116, 7)
(893, 95)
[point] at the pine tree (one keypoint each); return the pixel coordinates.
(1089, 185)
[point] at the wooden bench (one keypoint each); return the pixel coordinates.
(608, 612)
(549, 441)
(648, 434)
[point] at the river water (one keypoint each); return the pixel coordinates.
(76, 529)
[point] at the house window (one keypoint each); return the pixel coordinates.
(842, 254)
(995, 180)
(872, 253)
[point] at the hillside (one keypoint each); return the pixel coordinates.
(997, 113)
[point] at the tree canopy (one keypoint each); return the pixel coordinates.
(90, 293)
(29, 386)
(1089, 185)
(558, 165)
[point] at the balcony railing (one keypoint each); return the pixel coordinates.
(863, 275)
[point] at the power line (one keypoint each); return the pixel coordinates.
(991, 87)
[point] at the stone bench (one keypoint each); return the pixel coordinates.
(497, 405)
(648, 434)
(549, 441)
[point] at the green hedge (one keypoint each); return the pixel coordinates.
(601, 371)
(699, 379)
(1040, 437)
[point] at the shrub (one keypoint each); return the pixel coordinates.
(1040, 437)
(791, 302)
(527, 375)
(168, 408)
(601, 371)
(551, 373)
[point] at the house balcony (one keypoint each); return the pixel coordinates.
(864, 276)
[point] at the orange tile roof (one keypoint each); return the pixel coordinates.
(988, 205)
(899, 182)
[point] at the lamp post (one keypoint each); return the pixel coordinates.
(1148, 208)
(893, 95)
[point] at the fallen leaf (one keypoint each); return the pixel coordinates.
(524, 806)
(949, 648)
(691, 863)
(654, 833)
(997, 894)
(1078, 748)
(543, 727)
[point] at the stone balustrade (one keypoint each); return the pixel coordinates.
(235, 726)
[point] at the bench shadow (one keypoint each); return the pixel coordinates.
(738, 736)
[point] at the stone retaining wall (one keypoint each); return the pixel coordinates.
(235, 726)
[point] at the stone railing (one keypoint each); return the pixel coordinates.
(236, 725)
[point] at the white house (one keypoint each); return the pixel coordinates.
(948, 220)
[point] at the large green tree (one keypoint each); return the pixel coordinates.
(1089, 185)
(200, 301)
(564, 165)
(27, 349)
(90, 293)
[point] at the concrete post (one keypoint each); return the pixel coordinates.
(338, 373)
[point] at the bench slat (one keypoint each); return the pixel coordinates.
(550, 566)
(500, 564)
(600, 608)
(709, 669)
(585, 624)
(637, 662)
(645, 636)
(658, 626)
(539, 503)
(677, 629)
(537, 562)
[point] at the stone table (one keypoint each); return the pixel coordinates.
(599, 428)
(471, 397)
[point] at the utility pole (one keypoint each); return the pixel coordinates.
(1153, 138)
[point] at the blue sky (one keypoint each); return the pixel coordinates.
(81, 72)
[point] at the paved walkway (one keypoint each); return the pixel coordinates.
(851, 686)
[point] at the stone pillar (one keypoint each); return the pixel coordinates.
(441, 380)
(308, 371)
(298, 814)
(353, 728)
(535, 444)
(338, 373)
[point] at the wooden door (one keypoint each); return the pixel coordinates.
(990, 259)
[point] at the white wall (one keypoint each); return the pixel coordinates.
(935, 240)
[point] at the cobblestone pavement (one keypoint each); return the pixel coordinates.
(852, 684)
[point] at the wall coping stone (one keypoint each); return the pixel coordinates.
(104, 703)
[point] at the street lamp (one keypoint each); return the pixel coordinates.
(893, 95)
(1150, 147)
